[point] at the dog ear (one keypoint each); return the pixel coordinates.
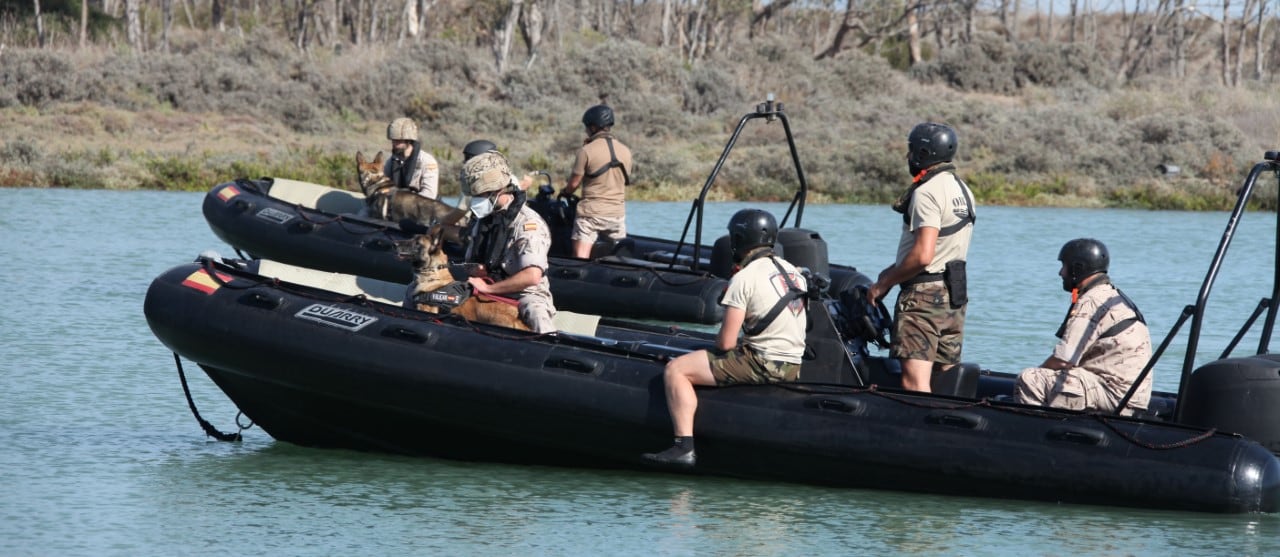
(377, 159)
(359, 157)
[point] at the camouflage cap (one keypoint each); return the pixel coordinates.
(485, 173)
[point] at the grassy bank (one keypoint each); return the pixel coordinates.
(255, 107)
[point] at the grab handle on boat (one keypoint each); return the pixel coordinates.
(261, 300)
(1081, 435)
(572, 364)
(960, 419)
(379, 244)
(404, 333)
(626, 280)
(568, 273)
(846, 406)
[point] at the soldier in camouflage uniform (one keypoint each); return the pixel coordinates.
(937, 225)
(1104, 342)
(509, 241)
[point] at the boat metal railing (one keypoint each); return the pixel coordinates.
(770, 110)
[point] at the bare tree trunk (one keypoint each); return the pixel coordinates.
(84, 24)
(531, 25)
(1013, 22)
(39, 25)
(166, 10)
(186, 9)
(502, 36)
(302, 17)
(1179, 41)
(1257, 45)
(375, 12)
(761, 13)
(216, 16)
(913, 34)
(409, 18)
(335, 17)
(133, 24)
(1050, 23)
(1072, 20)
(1238, 71)
(666, 23)
(1226, 43)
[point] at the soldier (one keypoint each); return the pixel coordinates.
(509, 241)
(937, 225)
(1104, 342)
(409, 167)
(602, 168)
(765, 300)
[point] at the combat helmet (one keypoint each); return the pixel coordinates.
(929, 144)
(486, 173)
(1081, 258)
(750, 229)
(600, 116)
(477, 147)
(402, 129)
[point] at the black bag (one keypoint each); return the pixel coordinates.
(957, 284)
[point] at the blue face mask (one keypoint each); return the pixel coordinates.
(481, 206)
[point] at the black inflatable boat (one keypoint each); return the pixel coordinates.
(330, 360)
(315, 226)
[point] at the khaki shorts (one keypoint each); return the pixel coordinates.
(925, 326)
(587, 229)
(744, 365)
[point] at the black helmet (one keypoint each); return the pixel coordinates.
(477, 147)
(600, 116)
(1081, 258)
(751, 228)
(929, 144)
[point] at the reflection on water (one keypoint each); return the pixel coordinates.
(103, 457)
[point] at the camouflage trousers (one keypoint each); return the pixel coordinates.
(925, 326)
(744, 365)
(1071, 389)
(537, 312)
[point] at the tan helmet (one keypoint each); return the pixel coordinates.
(402, 129)
(485, 173)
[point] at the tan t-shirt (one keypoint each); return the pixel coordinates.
(756, 289)
(604, 195)
(940, 203)
(1117, 360)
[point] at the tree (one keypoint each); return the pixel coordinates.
(133, 24)
(39, 25)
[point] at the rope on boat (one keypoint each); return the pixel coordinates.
(208, 427)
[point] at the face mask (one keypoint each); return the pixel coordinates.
(481, 206)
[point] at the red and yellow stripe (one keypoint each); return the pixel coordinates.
(225, 194)
(200, 280)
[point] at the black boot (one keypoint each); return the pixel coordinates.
(680, 454)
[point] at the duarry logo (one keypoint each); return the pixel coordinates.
(335, 317)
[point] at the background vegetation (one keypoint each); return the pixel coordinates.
(1052, 109)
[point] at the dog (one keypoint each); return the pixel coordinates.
(434, 289)
(386, 201)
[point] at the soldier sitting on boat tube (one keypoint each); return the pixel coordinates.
(766, 301)
(509, 241)
(1104, 341)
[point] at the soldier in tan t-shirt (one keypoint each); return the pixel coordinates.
(937, 224)
(766, 301)
(1103, 343)
(602, 168)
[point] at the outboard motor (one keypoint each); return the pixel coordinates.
(559, 214)
(1237, 395)
(805, 248)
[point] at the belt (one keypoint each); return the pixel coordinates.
(922, 277)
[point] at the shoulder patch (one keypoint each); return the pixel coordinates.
(530, 226)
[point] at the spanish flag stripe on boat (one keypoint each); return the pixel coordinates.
(228, 192)
(200, 280)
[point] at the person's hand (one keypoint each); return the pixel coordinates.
(877, 291)
(479, 285)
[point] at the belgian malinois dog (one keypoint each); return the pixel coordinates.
(388, 202)
(434, 289)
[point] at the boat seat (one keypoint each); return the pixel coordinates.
(316, 196)
(583, 324)
(351, 285)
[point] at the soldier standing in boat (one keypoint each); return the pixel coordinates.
(409, 167)
(509, 241)
(1103, 342)
(766, 301)
(602, 168)
(937, 225)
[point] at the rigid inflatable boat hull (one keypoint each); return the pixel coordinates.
(383, 378)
